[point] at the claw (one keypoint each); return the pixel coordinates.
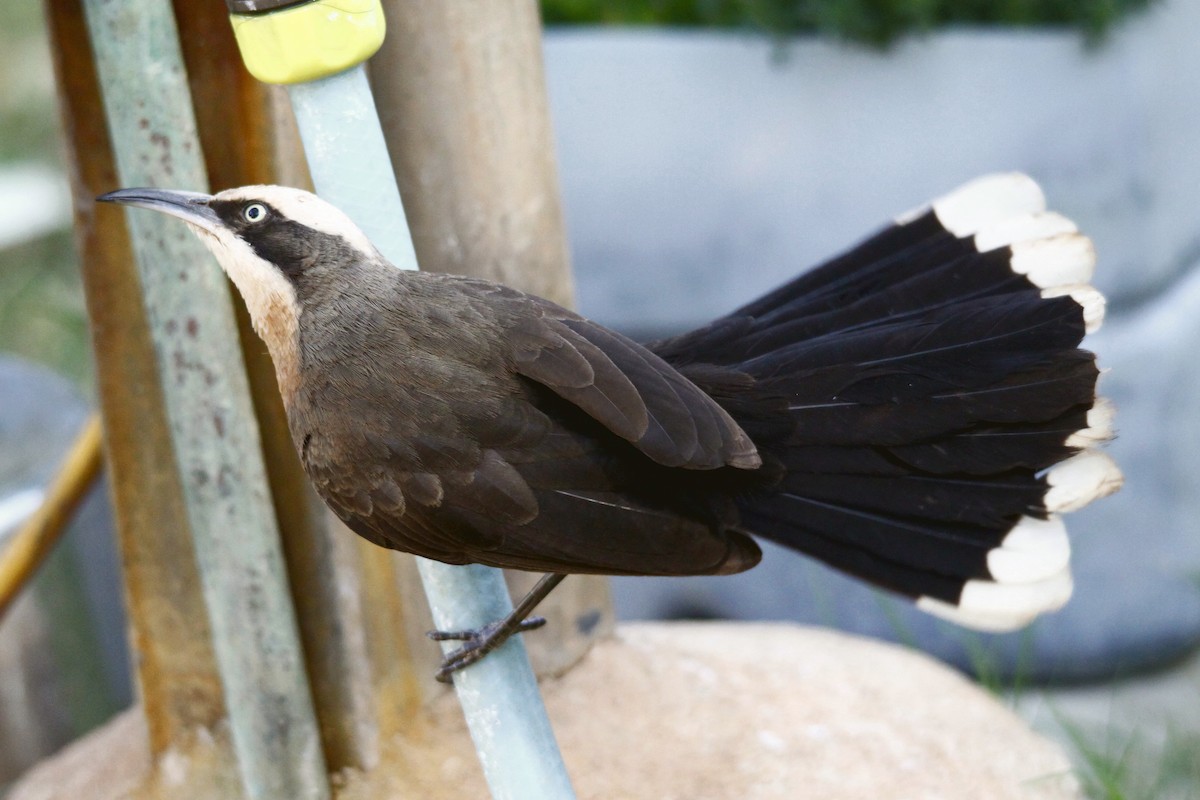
(478, 643)
(474, 634)
(452, 636)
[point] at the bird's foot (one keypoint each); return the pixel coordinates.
(478, 642)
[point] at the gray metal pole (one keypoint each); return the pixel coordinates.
(499, 695)
(212, 422)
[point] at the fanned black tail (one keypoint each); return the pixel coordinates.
(939, 413)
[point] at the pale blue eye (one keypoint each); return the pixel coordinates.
(255, 212)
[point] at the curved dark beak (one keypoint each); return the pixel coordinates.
(189, 206)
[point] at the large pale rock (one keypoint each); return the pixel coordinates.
(697, 710)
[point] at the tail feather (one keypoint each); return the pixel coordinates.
(965, 347)
(939, 414)
(1034, 396)
(937, 287)
(856, 557)
(960, 551)
(983, 502)
(895, 244)
(983, 449)
(979, 214)
(988, 449)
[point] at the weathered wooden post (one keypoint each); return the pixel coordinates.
(462, 96)
(176, 675)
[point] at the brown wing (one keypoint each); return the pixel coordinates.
(628, 389)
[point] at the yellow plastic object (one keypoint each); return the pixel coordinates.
(309, 41)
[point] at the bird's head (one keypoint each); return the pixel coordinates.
(274, 242)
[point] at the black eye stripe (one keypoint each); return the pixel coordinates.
(235, 213)
(292, 247)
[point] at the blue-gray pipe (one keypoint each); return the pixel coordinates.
(350, 166)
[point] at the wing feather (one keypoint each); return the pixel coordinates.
(629, 390)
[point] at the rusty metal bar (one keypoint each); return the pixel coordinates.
(175, 669)
(462, 97)
(215, 437)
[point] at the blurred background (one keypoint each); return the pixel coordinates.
(709, 150)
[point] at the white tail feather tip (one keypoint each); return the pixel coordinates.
(999, 607)
(1081, 479)
(1089, 299)
(1100, 425)
(982, 202)
(1023, 228)
(1064, 260)
(1034, 550)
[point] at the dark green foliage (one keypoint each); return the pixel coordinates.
(874, 22)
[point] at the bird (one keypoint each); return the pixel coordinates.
(916, 412)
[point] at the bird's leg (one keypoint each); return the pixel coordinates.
(481, 641)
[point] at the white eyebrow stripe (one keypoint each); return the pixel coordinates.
(305, 208)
